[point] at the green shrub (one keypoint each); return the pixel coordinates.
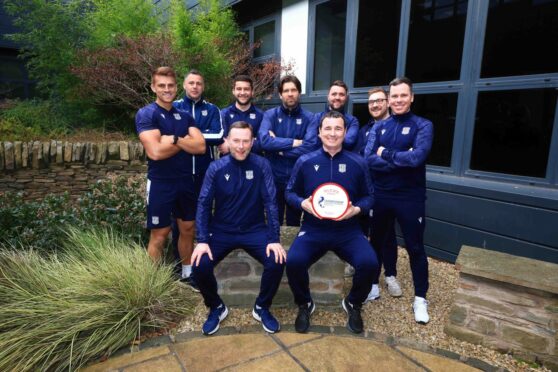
(116, 202)
(36, 224)
(96, 296)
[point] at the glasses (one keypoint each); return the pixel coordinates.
(378, 101)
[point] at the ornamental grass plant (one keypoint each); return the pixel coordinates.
(100, 293)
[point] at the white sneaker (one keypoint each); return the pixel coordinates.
(393, 286)
(374, 293)
(420, 307)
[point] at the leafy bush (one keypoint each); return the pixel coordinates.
(25, 120)
(101, 293)
(117, 202)
(36, 224)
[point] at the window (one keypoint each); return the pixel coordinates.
(14, 82)
(266, 32)
(329, 44)
(377, 41)
(435, 46)
(513, 131)
(521, 38)
(265, 35)
(440, 109)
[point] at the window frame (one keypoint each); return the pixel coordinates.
(249, 27)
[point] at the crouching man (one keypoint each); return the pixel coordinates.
(242, 187)
(331, 164)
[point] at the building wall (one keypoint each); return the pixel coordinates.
(492, 178)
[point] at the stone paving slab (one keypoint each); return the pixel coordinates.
(330, 349)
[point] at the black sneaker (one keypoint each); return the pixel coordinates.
(354, 321)
(302, 322)
(191, 283)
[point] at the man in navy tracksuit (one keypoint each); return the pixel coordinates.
(386, 251)
(242, 187)
(242, 110)
(396, 153)
(169, 137)
(286, 133)
(208, 120)
(336, 99)
(343, 236)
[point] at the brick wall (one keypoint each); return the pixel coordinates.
(508, 303)
(39, 168)
(239, 275)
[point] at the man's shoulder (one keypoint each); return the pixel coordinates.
(420, 121)
(309, 156)
(259, 160)
(147, 109)
(209, 106)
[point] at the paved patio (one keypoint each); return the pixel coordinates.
(326, 349)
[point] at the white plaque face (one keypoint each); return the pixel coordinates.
(330, 201)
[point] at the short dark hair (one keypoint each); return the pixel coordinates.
(244, 78)
(289, 79)
(163, 71)
(340, 83)
(241, 125)
(333, 115)
(376, 90)
(401, 80)
(194, 72)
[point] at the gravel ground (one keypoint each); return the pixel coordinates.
(389, 316)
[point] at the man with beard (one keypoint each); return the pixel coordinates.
(396, 153)
(336, 99)
(386, 250)
(242, 110)
(287, 132)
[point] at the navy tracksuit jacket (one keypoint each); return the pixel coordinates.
(252, 116)
(400, 184)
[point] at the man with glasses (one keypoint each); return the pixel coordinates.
(386, 250)
(396, 153)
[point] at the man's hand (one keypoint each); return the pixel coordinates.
(351, 212)
(272, 134)
(223, 148)
(199, 251)
(167, 139)
(277, 249)
(380, 150)
(307, 206)
(297, 143)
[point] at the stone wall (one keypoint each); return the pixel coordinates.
(238, 278)
(508, 303)
(39, 168)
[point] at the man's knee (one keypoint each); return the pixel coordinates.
(205, 267)
(186, 228)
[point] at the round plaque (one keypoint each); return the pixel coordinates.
(330, 201)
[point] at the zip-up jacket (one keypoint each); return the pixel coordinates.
(173, 122)
(344, 168)
(362, 138)
(352, 128)
(252, 116)
(241, 191)
(400, 173)
(208, 120)
(287, 125)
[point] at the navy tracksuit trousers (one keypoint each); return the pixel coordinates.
(255, 244)
(386, 252)
(348, 243)
(411, 218)
(293, 215)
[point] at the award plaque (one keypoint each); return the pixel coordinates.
(330, 201)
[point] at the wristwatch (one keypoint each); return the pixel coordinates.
(175, 140)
